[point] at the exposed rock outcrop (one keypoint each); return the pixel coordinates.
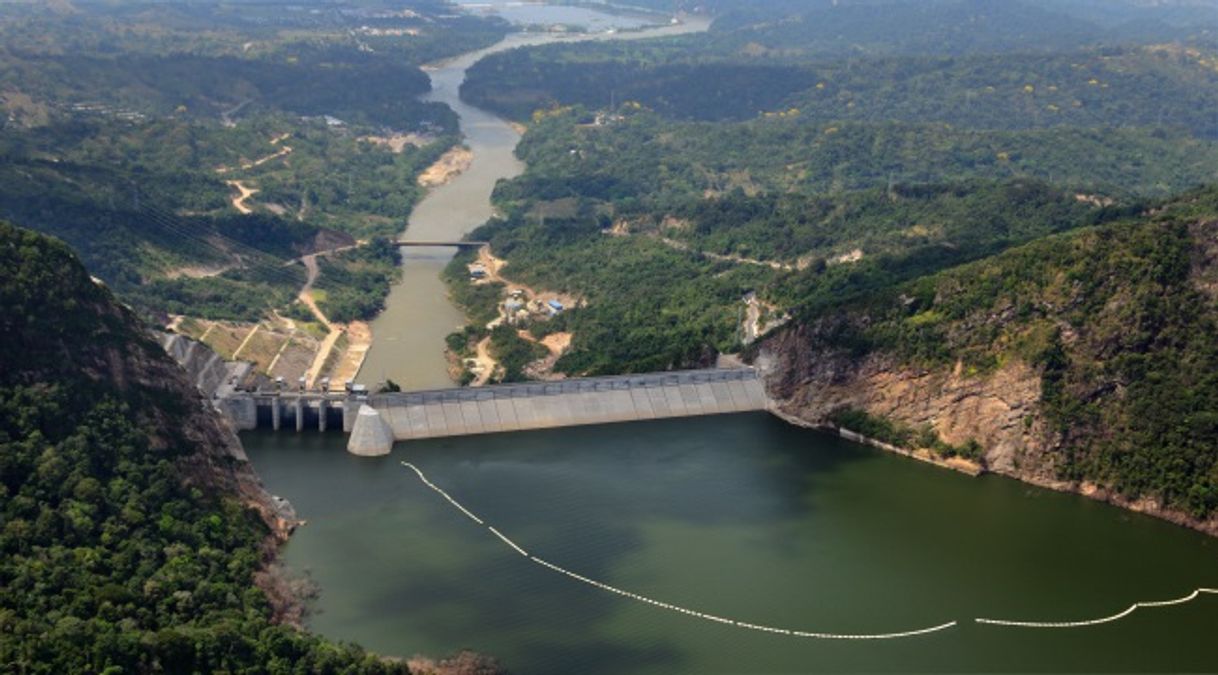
(809, 381)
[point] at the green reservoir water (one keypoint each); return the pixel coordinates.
(740, 516)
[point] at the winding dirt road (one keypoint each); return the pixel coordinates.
(245, 192)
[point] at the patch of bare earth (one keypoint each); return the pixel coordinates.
(397, 143)
(359, 341)
(197, 271)
(462, 663)
(557, 344)
(294, 358)
(450, 165)
(225, 338)
(244, 192)
(484, 365)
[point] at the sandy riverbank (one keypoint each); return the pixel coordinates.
(450, 165)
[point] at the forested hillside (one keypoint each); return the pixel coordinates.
(133, 529)
(665, 290)
(188, 151)
(1111, 328)
(895, 26)
(792, 214)
(570, 155)
(1161, 85)
(806, 154)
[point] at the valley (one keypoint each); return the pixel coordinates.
(584, 337)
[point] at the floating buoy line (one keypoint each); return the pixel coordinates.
(1095, 622)
(786, 631)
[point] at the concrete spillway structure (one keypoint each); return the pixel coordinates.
(547, 405)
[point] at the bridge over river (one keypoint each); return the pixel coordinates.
(377, 421)
(440, 243)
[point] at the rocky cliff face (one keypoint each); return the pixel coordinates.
(810, 380)
(1084, 361)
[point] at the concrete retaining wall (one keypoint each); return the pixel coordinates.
(205, 366)
(502, 408)
(241, 411)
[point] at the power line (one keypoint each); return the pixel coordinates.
(174, 224)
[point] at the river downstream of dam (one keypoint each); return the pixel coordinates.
(408, 337)
(740, 516)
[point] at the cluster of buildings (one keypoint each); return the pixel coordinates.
(518, 308)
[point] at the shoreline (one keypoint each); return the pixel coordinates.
(957, 464)
(1146, 506)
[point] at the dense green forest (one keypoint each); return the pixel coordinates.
(894, 25)
(244, 27)
(930, 26)
(119, 551)
(666, 245)
(969, 63)
(616, 161)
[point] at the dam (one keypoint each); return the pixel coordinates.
(376, 421)
(386, 418)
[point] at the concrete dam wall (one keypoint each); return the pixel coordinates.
(385, 418)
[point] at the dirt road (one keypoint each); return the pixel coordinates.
(245, 193)
(334, 332)
(486, 363)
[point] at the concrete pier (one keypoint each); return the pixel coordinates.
(370, 437)
(276, 414)
(544, 405)
(242, 411)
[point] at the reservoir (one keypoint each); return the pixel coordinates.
(740, 516)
